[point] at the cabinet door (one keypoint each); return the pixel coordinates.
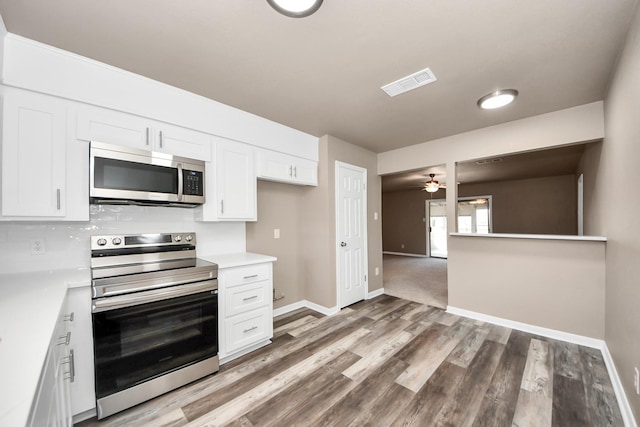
(236, 181)
(83, 396)
(33, 155)
(113, 127)
(305, 172)
(248, 329)
(274, 166)
(183, 142)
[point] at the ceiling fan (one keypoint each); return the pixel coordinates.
(432, 185)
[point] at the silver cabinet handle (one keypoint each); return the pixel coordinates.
(180, 183)
(250, 329)
(68, 317)
(58, 198)
(71, 361)
(147, 137)
(343, 244)
(290, 171)
(250, 298)
(295, 171)
(222, 206)
(160, 139)
(250, 277)
(66, 339)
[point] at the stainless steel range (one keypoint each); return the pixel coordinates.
(155, 317)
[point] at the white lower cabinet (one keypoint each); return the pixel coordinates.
(52, 403)
(82, 388)
(245, 309)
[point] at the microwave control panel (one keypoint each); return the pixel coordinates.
(192, 183)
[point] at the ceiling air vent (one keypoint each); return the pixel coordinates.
(411, 82)
(487, 161)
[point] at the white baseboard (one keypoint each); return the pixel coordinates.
(375, 293)
(322, 309)
(405, 254)
(625, 408)
(288, 308)
(532, 329)
(229, 358)
(306, 304)
(621, 396)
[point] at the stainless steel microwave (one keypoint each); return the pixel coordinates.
(123, 175)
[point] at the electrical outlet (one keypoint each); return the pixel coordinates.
(636, 380)
(276, 233)
(377, 271)
(37, 246)
(402, 246)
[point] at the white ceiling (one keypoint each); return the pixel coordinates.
(322, 74)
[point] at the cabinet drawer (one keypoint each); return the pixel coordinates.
(239, 299)
(249, 328)
(247, 274)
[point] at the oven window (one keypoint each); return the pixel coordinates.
(135, 344)
(123, 175)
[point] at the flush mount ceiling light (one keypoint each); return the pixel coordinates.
(497, 99)
(432, 185)
(295, 8)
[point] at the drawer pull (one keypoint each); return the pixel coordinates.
(65, 339)
(250, 277)
(72, 366)
(68, 317)
(250, 329)
(250, 298)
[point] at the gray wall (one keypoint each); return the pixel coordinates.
(529, 206)
(306, 251)
(616, 212)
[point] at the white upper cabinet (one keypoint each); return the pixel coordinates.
(274, 166)
(114, 127)
(44, 173)
(230, 184)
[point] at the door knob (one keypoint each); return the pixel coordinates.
(343, 244)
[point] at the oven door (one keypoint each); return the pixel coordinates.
(142, 336)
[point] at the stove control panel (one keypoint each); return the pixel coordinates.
(142, 240)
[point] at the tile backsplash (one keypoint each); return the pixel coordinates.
(66, 244)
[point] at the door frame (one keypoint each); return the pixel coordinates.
(365, 267)
(427, 221)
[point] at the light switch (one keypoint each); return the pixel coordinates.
(375, 216)
(276, 233)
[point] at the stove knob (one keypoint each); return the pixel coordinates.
(188, 238)
(101, 242)
(177, 238)
(116, 241)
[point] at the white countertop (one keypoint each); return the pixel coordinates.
(534, 236)
(30, 306)
(237, 259)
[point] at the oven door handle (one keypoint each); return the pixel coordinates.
(128, 300)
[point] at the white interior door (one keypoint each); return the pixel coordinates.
(351, 233)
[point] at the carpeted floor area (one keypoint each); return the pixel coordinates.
(423, 280)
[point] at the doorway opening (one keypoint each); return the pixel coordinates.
(436, 228)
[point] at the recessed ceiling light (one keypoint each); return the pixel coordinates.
(497, 99)
(296, 8)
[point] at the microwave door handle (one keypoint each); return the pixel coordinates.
(180, 182)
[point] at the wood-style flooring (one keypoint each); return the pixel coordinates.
(392, 362)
